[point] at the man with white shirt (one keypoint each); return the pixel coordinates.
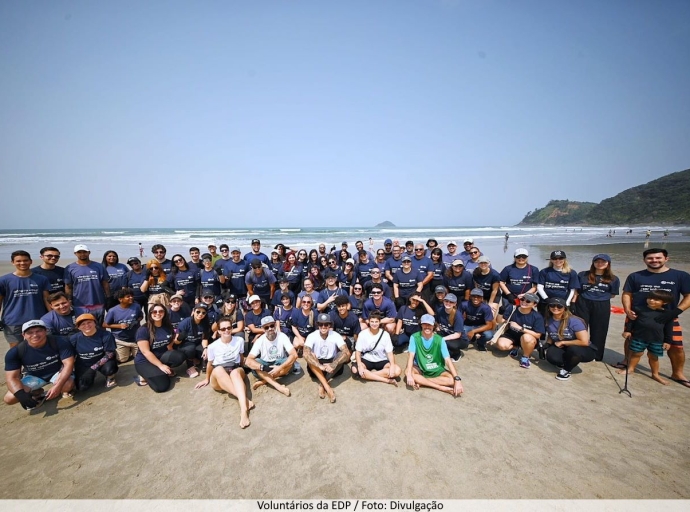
(272, 356)
(325, 352)
(374, 353)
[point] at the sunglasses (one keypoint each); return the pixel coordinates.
(158, 312)
(225, 329)
(324, 325)
(556, 306)
(556, 259)
(230, 301)
(307, 302)
(200, 312)
(178, 261)
(520, 257)
(55, 256)
(527, 301)
(357, 289)
(474, 252)
(380, 254)
(270, 326)
(376, 293)
(154, 268)
(224, 250)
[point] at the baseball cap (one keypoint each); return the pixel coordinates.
(468, 241)
(324, 318)
(283, 280)
(350, 261)
(177, 296)
(256, 263)
(329, 275)
(483, 259)
(557, 254)
(409, 242)
(208, 294)
(602, 256)
(388, 241)
(406, 258)
(478, 292)
(440, 289)
(201, 305)
(427, 319)
(531, 296)
(80, 247)
(252, 298)
(133, 260)
(431, 240)
(458, 262)
(267, 320)
(235, 249)
(256, 241)
(452, 242)
(555, 301)
(33, 323)
(450, 297)
(82, 317)
(344, 244)
(206, 256)
(520, 252)
(211, 245)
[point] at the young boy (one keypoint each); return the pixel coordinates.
(123, 321)
(646, 333)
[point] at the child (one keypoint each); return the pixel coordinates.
(646, 333)
(283, 313)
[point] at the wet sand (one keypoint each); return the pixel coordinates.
(514, 434)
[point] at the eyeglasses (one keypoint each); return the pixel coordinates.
(225, 329)
(474, 252)
(200, 312)
(556, 306)
(55, 256)
(158, 312)
(155, 268)
(376, 293)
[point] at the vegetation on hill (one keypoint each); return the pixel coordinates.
(664, 200)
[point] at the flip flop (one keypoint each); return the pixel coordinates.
(682, 382)
(619, 366)
(137, 381)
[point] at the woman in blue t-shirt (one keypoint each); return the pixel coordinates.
(557, 280)
(183, 280)
(567, 339)
(116, 272)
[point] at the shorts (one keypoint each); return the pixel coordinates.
(123, 350)
(33, 383)
(13, 334)
(329, 376)
(512, 336)
(653, 347)
(374, 367)
(676, 339)
(229, 369)
(277, 362)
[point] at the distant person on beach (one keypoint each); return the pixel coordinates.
(507, 236)
(646, 333)
(325, 352)
(23, 297)
(567, 340)
(648, 233)
(598, 286)
(271, 357)
(141, 250)
(50, 270)
(224, 370)
(429, 363)
(37, 361)
(665, 233)
(159, 251)
(87, 283)
(658, 276)
(374, 359)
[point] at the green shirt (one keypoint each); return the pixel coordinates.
(430, 360)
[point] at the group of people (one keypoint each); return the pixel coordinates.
(222, 315)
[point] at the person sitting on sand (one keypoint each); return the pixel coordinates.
(94, 350)
(429, 363)
(325, 352)
(224, 371)
(374, 354)
(646, 333)
(271, 357)
(524, 330)
(568, 342)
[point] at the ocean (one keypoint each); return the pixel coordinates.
(490, 239)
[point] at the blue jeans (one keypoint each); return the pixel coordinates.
(484, 336)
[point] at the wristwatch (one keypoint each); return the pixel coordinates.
(457, 377)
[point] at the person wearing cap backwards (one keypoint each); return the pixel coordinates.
(44, 359)
(326, 302)
(458, 281)
(525, 328)
(260, 281)
(377, 302)
(123, 321)
(518, 278)
(393, 263)
(87, 283)
(557, 280)
(451, 255)
(159, 251)
(429, 363)
(325, 352)
(193, 338)
(224, 370)
(256, 253)
(134, 279)
(271, 357)
(568, 342)
(210, 279)
(479, 319)
(60, 320)
(94, 350)
(23, 296)
(406, 281)
(374, 359)
(598, 286)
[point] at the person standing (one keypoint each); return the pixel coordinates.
(256, 253)
(86, 282)
(659, 276)
(159, 251)
(50, 270)
(23, 297)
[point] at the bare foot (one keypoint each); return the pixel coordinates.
(448, 390)
(284, 390)
(322, 392)
(392, 381)
(258, 384)
(250, 405)
(660, 380)
(331, 395)
(244, 420)
(622, 372)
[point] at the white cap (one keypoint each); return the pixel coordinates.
(468, 241)
(33, 323)
(350, 261)
(267, 320)
(80, 247)
(252, 298)
(520, 251)
(452, 242)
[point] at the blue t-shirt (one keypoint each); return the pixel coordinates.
(90, 349)
(445, 327)
(410, 320)
(41, 362)
(387, 307)
(176, 317)
(59, 324)
(421, 265)
(476, 315)
(301, 321)
(558, 284)
(294, 275)
(439, 269)
(115, 272)
(387, 292)
(22, 298)
(640, 283)
(599, 291)
(532, 320)
(348, 326)
(159, 346)
(56, 277)
(261, 283)
(575, 325)
(193, 332)
(252, 318)
(407, 282)
(134, 281)
(392, 265)
(284, 316)
(210, 282)
(363, 271)
(356, 306)
(278, 296)
(325, 294)
(187, 280)
(458, 285)
(87, 283)
(345, 281)
(236, 272)
(131, 316)
(519, 280)
(486, 282)
(261, 257)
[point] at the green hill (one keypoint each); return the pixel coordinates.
(665, 200)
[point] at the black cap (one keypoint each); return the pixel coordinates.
(256, 263)
(133, 259)
(256, 241)
(551, 301)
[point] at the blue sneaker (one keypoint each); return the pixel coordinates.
(513, 353)
(524, 362)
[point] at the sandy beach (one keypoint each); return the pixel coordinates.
(513, 434)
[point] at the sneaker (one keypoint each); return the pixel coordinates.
(524, 362)
(458, 358)
(192, 373)
(563, 375)
(296, 368)
(481, 346)
(513, 353)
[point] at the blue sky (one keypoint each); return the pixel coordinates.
(324, 113)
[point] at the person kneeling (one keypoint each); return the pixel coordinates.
(325, 352)
(525, 327)
(224, 371)
(374, 353)
(271, 357)
(429, 363)
(95, 352)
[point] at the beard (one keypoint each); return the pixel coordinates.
(271, 335)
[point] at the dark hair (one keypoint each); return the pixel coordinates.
(194, 249)
(224, 246)
(19, 253)
(437, 251)
(165, 322)
(49, 249)
(224, 318)
(377, 286)
(313, 251)
(662, 295)
(655, 250)
(606, 277)
(123, 292)
(174, 269)
(376, 314)
(341, 300)
(56, 296)
(158, 247)
(105, 263)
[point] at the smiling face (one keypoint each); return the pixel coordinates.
(22, 263)
(655, 261)
(61, 306)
